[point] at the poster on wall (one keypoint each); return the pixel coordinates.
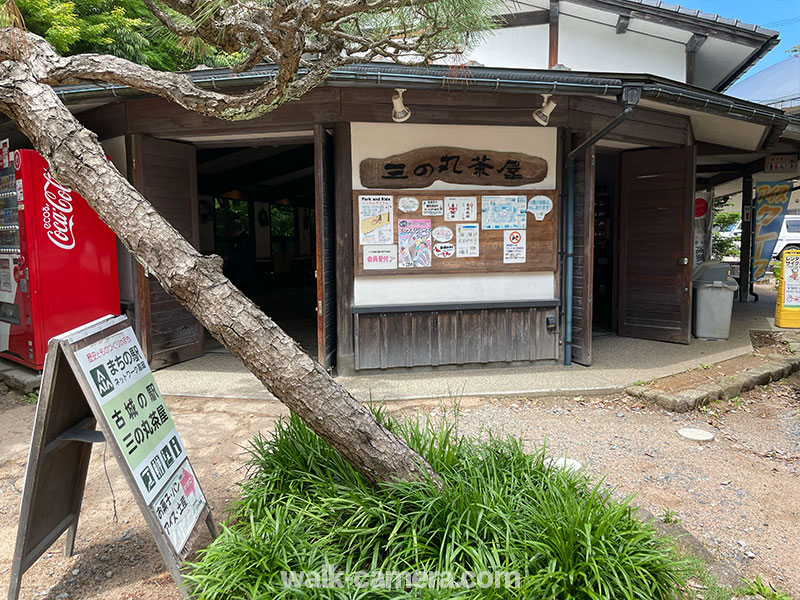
(414, 243)
(432, 208)
(408, 204)
(514, 246)
(375, 220)
(442, 234)
(467, 242)
(461, 209)
(503, 212)
(380, 257)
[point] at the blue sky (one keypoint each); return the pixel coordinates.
(780, 15)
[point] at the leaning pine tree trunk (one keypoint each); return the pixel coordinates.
(196, 281)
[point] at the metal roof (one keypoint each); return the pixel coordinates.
(710, 17)
(777, 85)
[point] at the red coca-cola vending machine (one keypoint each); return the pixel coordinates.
(58, 262)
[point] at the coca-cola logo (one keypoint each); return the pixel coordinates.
(57, 213)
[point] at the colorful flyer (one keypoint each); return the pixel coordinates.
(791, 280)
(375, 220)
(514, 246)
(467, 242)
(444, 250)
(414, 243)
(461, 208)
(503, 212)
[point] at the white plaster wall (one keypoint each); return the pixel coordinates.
(513, 48)
(479, 287)
(377, 140)
(586, 46)
(583, 46)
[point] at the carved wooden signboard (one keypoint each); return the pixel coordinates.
(421, 167)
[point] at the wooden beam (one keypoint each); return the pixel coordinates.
(553, 57)
(622, 23)
(721, 168)
(523, 19)
(692, 47)
(709, 149)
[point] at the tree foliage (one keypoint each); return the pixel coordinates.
(124, 28)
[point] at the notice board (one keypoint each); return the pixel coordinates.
(414, 232)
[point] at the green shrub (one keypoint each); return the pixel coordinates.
(303, 508)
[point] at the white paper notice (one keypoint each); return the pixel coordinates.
(467, 240)
(432, 208)
(513, 246)
(539, 206)
(380, 257)
(442, 234)
(408, 204)
(461, 209)
(375, 220)
(503, 212)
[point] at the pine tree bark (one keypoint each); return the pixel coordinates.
(196, 281)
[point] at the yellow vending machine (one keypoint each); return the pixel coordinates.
(787, 304)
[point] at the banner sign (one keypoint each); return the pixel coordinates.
(703, 217)
(771, 201)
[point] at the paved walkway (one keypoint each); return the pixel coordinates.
(618, 362)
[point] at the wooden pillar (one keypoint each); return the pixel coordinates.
(745, 256)
(343, 174)
(553, 58)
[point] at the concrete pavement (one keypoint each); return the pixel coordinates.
(618, 362)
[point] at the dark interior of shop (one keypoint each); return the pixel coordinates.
(605, 194)
(257, 212)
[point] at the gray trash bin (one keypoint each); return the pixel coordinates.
(712, 301)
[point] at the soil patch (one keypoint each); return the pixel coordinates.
(764, 344)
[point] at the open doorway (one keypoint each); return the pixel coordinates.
(605, 242)
(257, 211)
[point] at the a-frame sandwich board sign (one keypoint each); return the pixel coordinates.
(97, 375)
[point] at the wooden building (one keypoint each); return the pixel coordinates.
(469, 234)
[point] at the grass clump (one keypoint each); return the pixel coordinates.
(304, 509)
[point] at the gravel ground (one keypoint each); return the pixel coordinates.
(739, 494)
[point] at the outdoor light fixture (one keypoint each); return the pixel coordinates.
(400, 112)
(542, 115)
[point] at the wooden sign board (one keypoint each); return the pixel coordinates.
(421, 167)
(384, 220)
(97, 375)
